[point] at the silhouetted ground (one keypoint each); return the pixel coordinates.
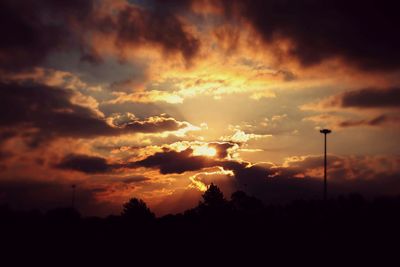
(243, 231)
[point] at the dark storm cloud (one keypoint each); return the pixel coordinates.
(385, 99)
(154, 22)
(157, 26)
(84, 163)
(48, 109)
(171, 161)
(33, 29)
(361, 33)
(371, 98)
(377, 121)
(167, 162)
(364, 33)
(51, 113)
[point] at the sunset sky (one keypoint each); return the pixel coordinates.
(157, 99)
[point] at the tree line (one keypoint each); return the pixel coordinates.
(242, 230)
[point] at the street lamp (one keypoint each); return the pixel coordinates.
(325, 132)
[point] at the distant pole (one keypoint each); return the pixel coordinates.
(73, 196)
(325, 132)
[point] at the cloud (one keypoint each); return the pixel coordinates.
(381, 120)
(170, 161)
(380, 103)
(192, 157)
(241, 137)
(364, 98)
(84, 163)
(34, 29)
(135, 25)
(167, 161)
(135, 179)
(341, 169)
(48, 109)
(220, 177)
(31, 30)
(51, 112)
(371, 98)
(335, 121)
(152, 124)
(314, 31)
(361, 33)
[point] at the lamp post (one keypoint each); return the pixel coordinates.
(325, 132)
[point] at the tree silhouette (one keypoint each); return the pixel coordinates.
(213, 205)
(213, 197)
(136, 210)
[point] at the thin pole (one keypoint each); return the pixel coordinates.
(325, 132)
(325, 180)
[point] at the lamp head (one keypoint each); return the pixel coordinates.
(325, 131)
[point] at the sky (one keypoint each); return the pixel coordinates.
(158, 99)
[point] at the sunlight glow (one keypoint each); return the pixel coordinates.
(204, 151)
(201, 181)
